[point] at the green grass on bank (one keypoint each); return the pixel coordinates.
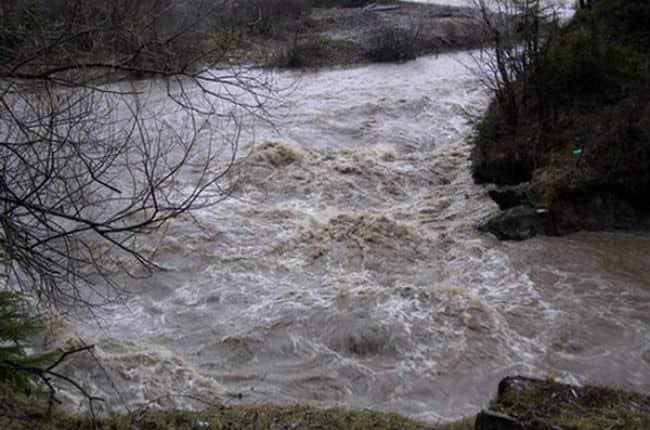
(18, 412)
(547, 405)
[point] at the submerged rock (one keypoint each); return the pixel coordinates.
(518, 223)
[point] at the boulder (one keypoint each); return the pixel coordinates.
(490, 420)
(532, 404)
(518, 223)
(510, 196)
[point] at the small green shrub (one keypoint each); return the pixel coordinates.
(486, 131)
(16, 329)
(586, 68)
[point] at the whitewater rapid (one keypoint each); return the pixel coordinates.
(346, 269)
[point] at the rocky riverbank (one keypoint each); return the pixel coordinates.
(583, 162)
(529, 404)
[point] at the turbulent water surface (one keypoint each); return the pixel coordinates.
(346, 269)
(564, 8)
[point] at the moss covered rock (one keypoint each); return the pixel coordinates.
(530, 404)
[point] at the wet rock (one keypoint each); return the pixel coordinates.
(518, 223)
(532, 404)
(510, 196)
(489, 420)
(569, 210)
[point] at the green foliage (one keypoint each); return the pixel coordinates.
(16, 329)
(628, 20)
(486, 131)
(588, 64)
(594, 62)
(585, 67)
(17, 19)
(595, 70)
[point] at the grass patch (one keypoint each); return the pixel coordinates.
(18, 412)
(548, 405)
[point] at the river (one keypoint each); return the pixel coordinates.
(347, 270)
(564, 8)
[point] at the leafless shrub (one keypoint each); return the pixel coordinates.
(393, 44)
(519, 32)
(264, 16)
(87, 166)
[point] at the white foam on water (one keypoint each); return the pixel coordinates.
(346, 268)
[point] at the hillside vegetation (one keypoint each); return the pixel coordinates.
(581, 133)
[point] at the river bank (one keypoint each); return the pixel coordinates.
(344, 36)
(346, 269)
(578, 157)
(520, 404)
(18, 412)
(530, 404)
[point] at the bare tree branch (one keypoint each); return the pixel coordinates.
(88, 161)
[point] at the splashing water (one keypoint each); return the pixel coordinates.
(346, 270)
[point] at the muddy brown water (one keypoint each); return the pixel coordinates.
(347, 270)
